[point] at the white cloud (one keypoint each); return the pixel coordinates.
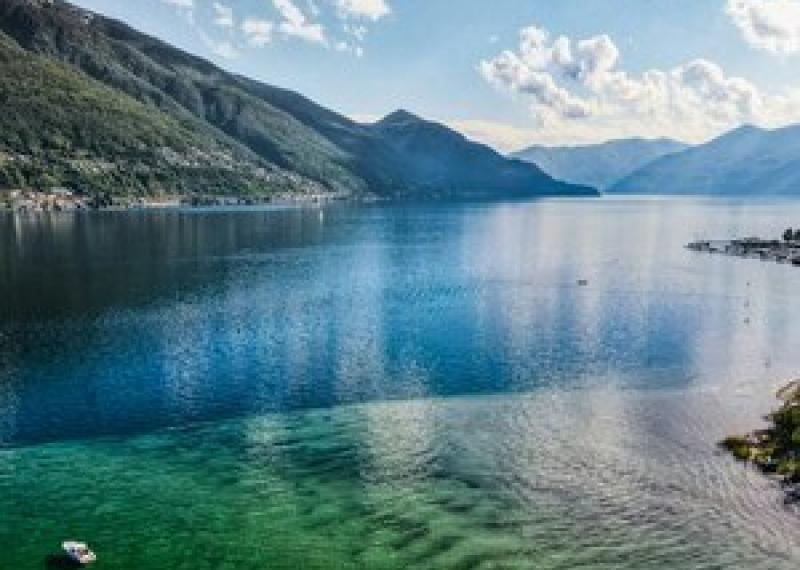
(771, 25)
(220, 48)
(577, 91)
(297, 25)
(180, 3)
(258, 32)
(223, 15)
(500, 136)
(296, 19)
(348, 47)
(225, 50)
(357, 31)
(353, 14)
(371, 9)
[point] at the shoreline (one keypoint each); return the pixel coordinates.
(34, 202)
(775, 450)
(779, 251)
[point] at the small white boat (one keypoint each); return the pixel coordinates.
(78, 551)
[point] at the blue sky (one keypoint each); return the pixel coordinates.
(508, 72)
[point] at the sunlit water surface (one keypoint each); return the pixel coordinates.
(393, 387)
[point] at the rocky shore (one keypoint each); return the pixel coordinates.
(781, 251)
(775, 449)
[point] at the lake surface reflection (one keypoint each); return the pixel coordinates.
(430, 377)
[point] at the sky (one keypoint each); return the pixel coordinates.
(509, 73)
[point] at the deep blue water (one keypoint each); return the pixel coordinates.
(119, 323)
(392, 387)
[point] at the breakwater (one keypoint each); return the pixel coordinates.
(780, 251)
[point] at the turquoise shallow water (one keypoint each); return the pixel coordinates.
(557, 480)
(393, 387)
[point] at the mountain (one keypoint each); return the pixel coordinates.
(439, 162)
(118, 110)
(748, 160)
(598, 165)
(58, 127)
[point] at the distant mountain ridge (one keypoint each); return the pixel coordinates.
(161, 119)
(746, 161)
(598, 165)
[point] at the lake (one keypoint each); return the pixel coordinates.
(394, 386)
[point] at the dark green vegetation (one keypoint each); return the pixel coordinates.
(59, 127)
(598, 165)
(92, 103)
(791, 235)
(777, 448)
(746, 161)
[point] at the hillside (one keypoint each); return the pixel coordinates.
(59, 127)
(746, 161)
(272, 137)
(598, 165)
(442, 163)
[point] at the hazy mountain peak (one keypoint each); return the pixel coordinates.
(748, 160)
(400, 116)
(598, 165)
(746, 130)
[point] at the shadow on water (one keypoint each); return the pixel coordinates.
(166, 255)
(60, 562)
